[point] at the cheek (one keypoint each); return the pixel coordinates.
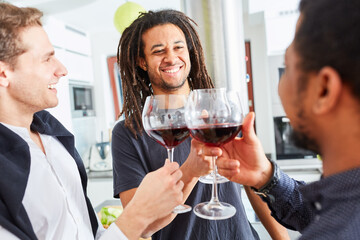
(286, 95)
(281, 88)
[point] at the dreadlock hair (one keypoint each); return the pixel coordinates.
(135, 81)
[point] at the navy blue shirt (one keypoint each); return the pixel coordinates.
(134, 158)
(326, 209)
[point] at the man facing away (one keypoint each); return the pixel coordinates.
(320, 92)
(42, 177)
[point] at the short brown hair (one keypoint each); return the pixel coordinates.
(12, 20)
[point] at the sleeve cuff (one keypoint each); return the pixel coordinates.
(113, 232)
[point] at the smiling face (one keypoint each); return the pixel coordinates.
(167, 60)
(32, 81)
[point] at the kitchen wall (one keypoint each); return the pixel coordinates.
(270, 27)
(104, 44)
(254, 30)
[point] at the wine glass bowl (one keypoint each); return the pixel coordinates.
(214, 117)
(163, 120)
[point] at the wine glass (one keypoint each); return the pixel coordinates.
(214, 117)
(163, 120)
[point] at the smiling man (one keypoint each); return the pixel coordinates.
(42, 177)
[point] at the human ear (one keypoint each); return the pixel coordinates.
(142, 64)
(327, 90)
(4, 81)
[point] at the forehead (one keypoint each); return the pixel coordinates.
(35, 40)
(163, 34)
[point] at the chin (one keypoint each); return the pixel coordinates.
(302, 140)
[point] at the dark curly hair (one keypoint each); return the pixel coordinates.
(329, 35)
(135, 81)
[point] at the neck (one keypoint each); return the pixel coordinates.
(340, 144)
(16, 116)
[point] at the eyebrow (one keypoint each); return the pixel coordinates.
(49, 54)
(160, 45)
(156, 45)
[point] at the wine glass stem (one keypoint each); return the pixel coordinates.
(214, 190)
(170, 152)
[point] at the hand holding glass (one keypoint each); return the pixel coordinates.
(214, 117)
(163, 120)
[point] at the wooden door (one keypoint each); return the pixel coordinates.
(249, 78)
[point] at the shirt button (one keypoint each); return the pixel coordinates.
(317, 206)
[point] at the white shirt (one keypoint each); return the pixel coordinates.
(54, 198)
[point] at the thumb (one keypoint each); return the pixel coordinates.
(248, 126)
(167, 161)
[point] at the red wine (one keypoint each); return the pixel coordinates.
(216, 134)
(170, 137)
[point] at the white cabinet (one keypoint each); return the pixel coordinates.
(56, 31)
(77, 41)
(79, 67)
(77, 49)
(280, 30)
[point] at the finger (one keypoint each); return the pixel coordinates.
(179, 185)
(224, 163)
(248, 126)
(211, 151)
(196, 144)
(229, 173)
(177, 175)
(170, 167)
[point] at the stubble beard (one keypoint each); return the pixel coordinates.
(170, 88)
(301, 137)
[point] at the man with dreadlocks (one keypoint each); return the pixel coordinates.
(160, 53)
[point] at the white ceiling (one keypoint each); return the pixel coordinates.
(90, 15)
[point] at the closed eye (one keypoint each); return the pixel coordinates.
(158, 51)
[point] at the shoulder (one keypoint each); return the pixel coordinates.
(121, 130)
(119, 126)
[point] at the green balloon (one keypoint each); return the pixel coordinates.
(126, 14)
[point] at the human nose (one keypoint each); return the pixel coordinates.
(61, 70)
(170, 57)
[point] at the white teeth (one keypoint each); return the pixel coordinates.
(172, 70)
(51, 86)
